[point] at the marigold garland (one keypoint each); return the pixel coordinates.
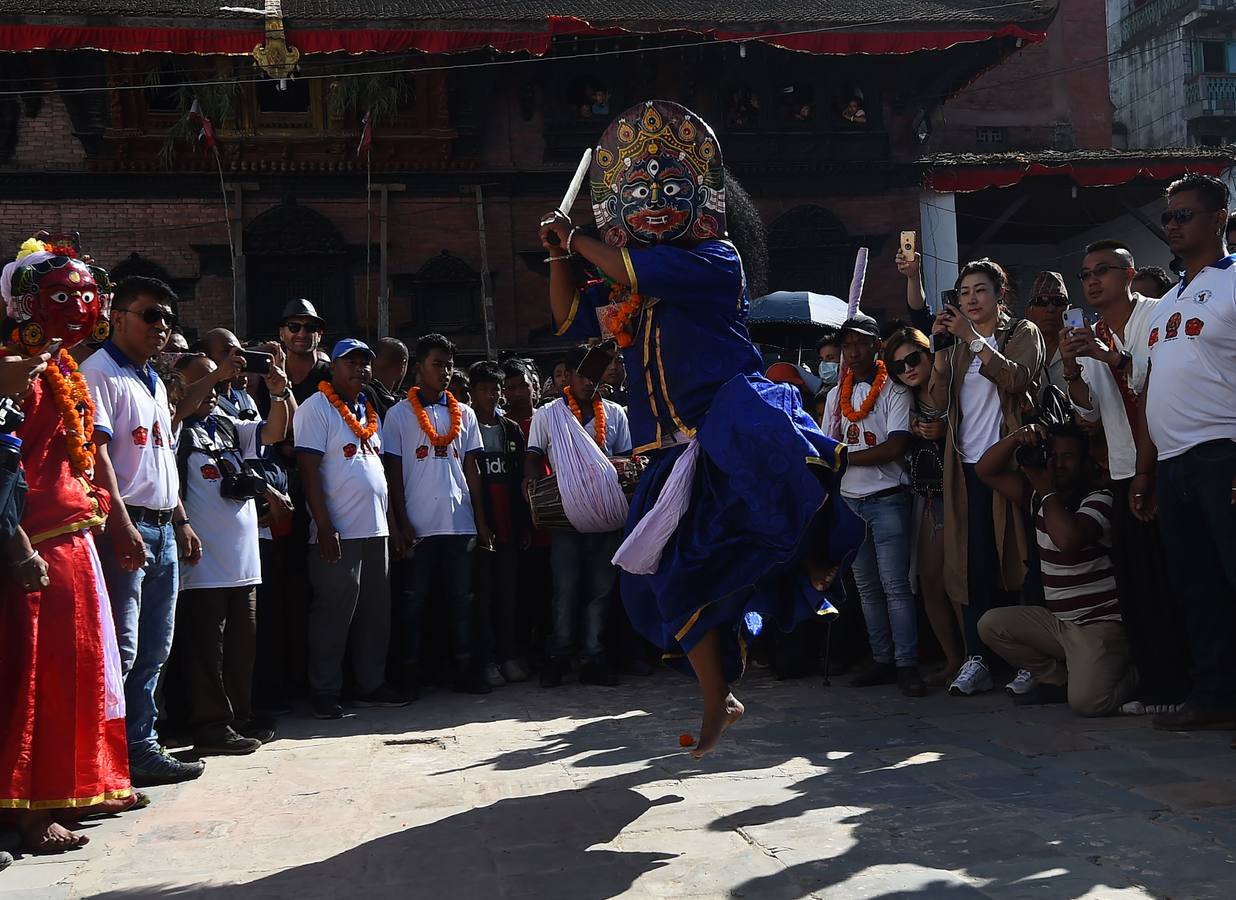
(847, 389)
(621, 321)
(438, 440)
(71, 395)
(599, 425)
(362, 432)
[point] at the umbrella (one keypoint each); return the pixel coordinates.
(795, 318)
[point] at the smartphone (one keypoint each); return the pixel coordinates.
(1074, 318)
(909, 243)
(942, 341)
(949, 298)
(256, 362)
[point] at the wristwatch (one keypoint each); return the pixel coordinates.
(284, 397)
(1125, 358)
(977, 345)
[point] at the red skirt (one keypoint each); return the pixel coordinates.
(58, 749)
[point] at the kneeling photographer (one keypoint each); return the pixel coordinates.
(1075, 649)
(216, 616)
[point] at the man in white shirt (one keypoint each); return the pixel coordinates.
(1105, 368)
(874, 423)
(146, 527)
(432, 444)
(338, 447)
(1186, 445)
(584, 577)
(217, 638)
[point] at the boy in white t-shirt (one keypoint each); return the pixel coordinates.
(873, 418)
(432, 445)
(338, 447)
(584, 576)
(217, 613)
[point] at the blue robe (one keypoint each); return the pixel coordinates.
(764, 491)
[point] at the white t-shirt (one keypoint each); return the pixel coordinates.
(130, 407)
(435, 488)
(352, 475)
(617, 430)
(228, 528)
(981, 417)
(889, 416)
(1191, 398)
(1107, 404)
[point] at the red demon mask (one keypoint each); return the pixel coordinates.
(56, 295)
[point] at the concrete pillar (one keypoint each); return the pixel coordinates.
(938, 243)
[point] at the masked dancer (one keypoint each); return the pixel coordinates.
(736, 519)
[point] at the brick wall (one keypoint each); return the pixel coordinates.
(46, 142)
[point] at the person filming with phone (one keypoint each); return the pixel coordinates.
(1075, 649)
(987, 365)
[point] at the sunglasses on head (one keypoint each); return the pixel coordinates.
(909, 361)
(1179, 216)
(295, 327)
(1050, 300)
(153, 314)
(1099, 271)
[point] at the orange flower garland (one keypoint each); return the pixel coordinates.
(599, 426)
(72, 398)
(847, 389)
(621, 321)
(438, 440)
(362, 432)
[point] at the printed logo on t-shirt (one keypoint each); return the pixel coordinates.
(349, 450)
(140, 436)
(1202, 296)
(851, 434)
(1154, 337)
(495, 465)
(158, 435)
(422, 452)
(1173, 327)
(869, 439)
(210, 472)
(440, 453)
(1194, 327)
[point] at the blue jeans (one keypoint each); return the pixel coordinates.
(1198, 524)
(882, 573)
(144, 610)
(584, 580)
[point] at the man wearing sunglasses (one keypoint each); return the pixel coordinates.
(1105, 366)
(147, 527)
(1186, 445)
(300, 333)
(1048, 301)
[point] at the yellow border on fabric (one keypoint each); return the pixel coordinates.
(695, 617)
(835, 465)
(71, 528)
(626, 261)
(652, 399)
(570, 319)
(686, 429)
(70, 803)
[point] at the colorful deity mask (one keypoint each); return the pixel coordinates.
(53, 294)
(657, 177)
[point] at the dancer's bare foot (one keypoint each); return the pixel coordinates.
(42, 835)
(821, 571)
(717, 718)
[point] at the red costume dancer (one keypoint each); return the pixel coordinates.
(63, 752)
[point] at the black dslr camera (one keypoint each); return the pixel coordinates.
(241, 486)
(11, 416)
(1031, 457)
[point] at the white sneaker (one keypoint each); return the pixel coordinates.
(512, 671)
(974, 678)
(1024, 683)
(493, 676)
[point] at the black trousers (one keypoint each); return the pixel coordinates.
(218, 636)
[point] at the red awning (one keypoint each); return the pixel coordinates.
(240, 41)
(966, 179)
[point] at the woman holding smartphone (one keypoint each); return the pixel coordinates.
(982, 380)
(908, 356)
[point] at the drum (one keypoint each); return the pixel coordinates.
(546, 499)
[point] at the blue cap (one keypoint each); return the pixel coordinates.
(350, 345)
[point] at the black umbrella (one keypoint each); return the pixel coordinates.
(795, 319)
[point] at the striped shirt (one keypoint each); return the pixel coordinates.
(1080, 586)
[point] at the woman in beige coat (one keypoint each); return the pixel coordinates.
(985, 382)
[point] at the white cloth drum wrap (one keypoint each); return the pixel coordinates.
(592, 498)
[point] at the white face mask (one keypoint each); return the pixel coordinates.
(829, 371)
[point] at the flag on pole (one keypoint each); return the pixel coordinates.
(206, 136)
(366, 138)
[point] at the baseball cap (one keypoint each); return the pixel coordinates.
(1049, 284)
(861, 324)
(789, 373)
(350, 345)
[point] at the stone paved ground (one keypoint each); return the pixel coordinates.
(583, 794)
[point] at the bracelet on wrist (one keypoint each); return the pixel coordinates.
(571, 237)
(553, 259)
(283, 397)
